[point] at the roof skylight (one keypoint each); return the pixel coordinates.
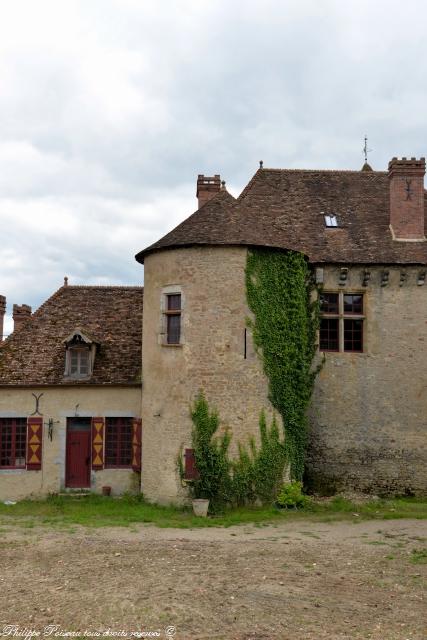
(331, 221)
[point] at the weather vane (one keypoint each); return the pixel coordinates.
(365, 148)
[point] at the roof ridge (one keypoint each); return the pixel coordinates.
(220, 194)
(249, 185)
(13, 335)
(357, 171)
(102, 286)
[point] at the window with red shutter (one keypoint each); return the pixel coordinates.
(34, 443)
(13, 443)
(118, 442)
(190, 468)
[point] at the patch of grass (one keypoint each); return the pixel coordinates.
(100, 511)
(419, 556)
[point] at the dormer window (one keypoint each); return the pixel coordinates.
(79, 361)
(331, 221)
(80, 350)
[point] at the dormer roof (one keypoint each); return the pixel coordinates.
(80, 335)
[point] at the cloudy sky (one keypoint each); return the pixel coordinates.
(110, 108)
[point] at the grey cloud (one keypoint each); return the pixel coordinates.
(109, 109)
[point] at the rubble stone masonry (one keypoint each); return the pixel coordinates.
(369, 410)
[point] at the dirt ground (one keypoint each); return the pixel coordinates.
(293, 580)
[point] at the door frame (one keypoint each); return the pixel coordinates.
(87, 430)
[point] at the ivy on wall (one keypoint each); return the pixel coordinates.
(254, 475)
(278, 288)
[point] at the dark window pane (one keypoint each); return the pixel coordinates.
(353, 303)
(329, 302)
(118, 442)
(174, 329)
(353, 335)
(13, 442)
(174, 302)
(328, 334)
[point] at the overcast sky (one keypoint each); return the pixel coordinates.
(110, 108)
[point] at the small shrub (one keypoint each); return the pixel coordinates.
(211, 456)
(291, 496)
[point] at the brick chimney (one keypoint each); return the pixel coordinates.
(207, 188)
(21, 313)
(407, 198)
(2, 313)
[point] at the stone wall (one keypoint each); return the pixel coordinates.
(58, 404)
(369, 410)
(212, 358)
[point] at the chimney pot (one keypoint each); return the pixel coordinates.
(21, 314)
(207, 187)
(2, 314)
(406, 179)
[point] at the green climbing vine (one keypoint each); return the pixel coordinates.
(279, 289)
(256, 474)
(211, 455)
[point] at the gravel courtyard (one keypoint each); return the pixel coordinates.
(296, 580)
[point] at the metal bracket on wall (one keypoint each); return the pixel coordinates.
(36, 412)
(50, 424)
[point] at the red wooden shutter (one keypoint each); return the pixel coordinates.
(34, 443)
(190, 469)
(136, 443)
(97, 443)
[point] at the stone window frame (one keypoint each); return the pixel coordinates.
(172, 289)
(343, 315)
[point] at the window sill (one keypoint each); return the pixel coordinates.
(345, 353)
(166, 344)
(12, 470)
(116, 466)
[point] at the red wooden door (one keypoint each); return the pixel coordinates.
(77, 473)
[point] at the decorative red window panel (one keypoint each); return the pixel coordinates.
(173, 318)
(190, 468)
(353, 335)
(329, 334)
(118, 442)
(329, 302)
(353, 303)
(13, 442)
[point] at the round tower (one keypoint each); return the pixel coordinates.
(195, 337)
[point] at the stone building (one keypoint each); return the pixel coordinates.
(70, 393)
(363, 233)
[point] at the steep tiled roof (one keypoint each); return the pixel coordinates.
(112, 316)
(285, 209)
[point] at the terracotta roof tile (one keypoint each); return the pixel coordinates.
(35, 353)
(284, 208)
